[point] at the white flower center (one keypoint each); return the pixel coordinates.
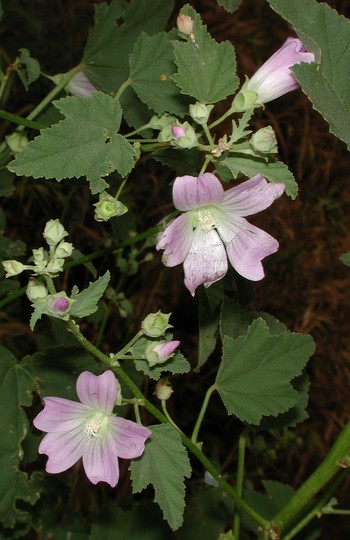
(206, 219)
(94, 424)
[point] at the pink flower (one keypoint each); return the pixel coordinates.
(79, 85)
(274, 78)
(213, 229)
(89, 430)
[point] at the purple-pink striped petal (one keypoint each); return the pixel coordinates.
(129, 438)
(61, 414)
(100, 461)
(98, 391)
(176, 240)
(250, 197)
(63, 448)
(191, 192)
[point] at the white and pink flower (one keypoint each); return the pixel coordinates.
(89, 430)
(213, 229)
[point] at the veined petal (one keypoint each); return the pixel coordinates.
(191, 192)
(250, 197)
(63, 449)
(129, 437)
(206, 261)
(61, 414)
(98, 391)
(100, 461)
(176, 240)
(247, 250)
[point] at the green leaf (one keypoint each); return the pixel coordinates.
(274, 170)
(345, 258)
(164, 464)
(254, 378)
(11, 248)
(143, 521)
(55, 372)
(175, 364)
(151, 68)
(188, 164)
(230, 5)
(206, 69)
(27, 68)
(86, 302)
(326, 83)
(15, 393)
(208, 313)
(86, 143)
(268, 506)
(109, 44)
(7, 186)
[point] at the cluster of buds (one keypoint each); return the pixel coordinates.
(108, 207)
(46, 263)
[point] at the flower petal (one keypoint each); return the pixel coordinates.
(247, 250)
(250, 197)
(176, 240)
(206, 261)
(99, 392)
(63, 449)
(129, 437)
(80, 85)
(274, 78)
(61, 414)
(191, 192)
(100, 461)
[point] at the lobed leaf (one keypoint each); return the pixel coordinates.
(164, 464)
(86, 302)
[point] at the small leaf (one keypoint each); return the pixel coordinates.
(86, 143)
(274, 170)
(345, 258)
(86, 302)
(230, 5)
(254, 378)
(27, 68)
(151, 69)
(206, 69)
(164, 464)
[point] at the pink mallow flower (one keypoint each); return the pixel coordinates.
(213, 229)
(274, 78)
(89, 430)
(79, 85)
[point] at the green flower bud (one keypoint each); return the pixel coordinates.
(200, 112)
(64, 249)
(59, 305)
(54, 267)
(156, 324)
(159, 122)
(264, 140)
(36, 290)
(39, 255)
(180, 135)
(158, 352)
(13, 268)
(17, 142)
(163, 389)
(108, 207)
(54, 232)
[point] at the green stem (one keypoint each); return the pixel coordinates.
(137, 413)
(202, 413)
(240, 503)
(21, 121)
(170, 420)
(228, 113)
(121, 187)
(205, 165)
(330, 466)
(122, 88)
(239, 480)
(133, 340)
(208, 134)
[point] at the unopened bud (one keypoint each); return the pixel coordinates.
(185, 24)
(156, 324)
(178, 131)
(64, 249)
(264, 140)
(54, 232)
(36, 290)
(108, 207)
(163, 389)
(160, 352)
(13, 268)
(59, 305)
(17, 142)
(200, 112)
(159, 122)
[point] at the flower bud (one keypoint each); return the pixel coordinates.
(59, 305)
(17, 142)
(54, 267)
(200, 112)
(108, 207)
(184, 24)
(36, 290)
(156, 324)
(163, 389)
(181, 135)
(13, 268)
(264, 140)
(54, 232)
(178, 131)
(38, 255)
(64, 249)
(159, 352)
